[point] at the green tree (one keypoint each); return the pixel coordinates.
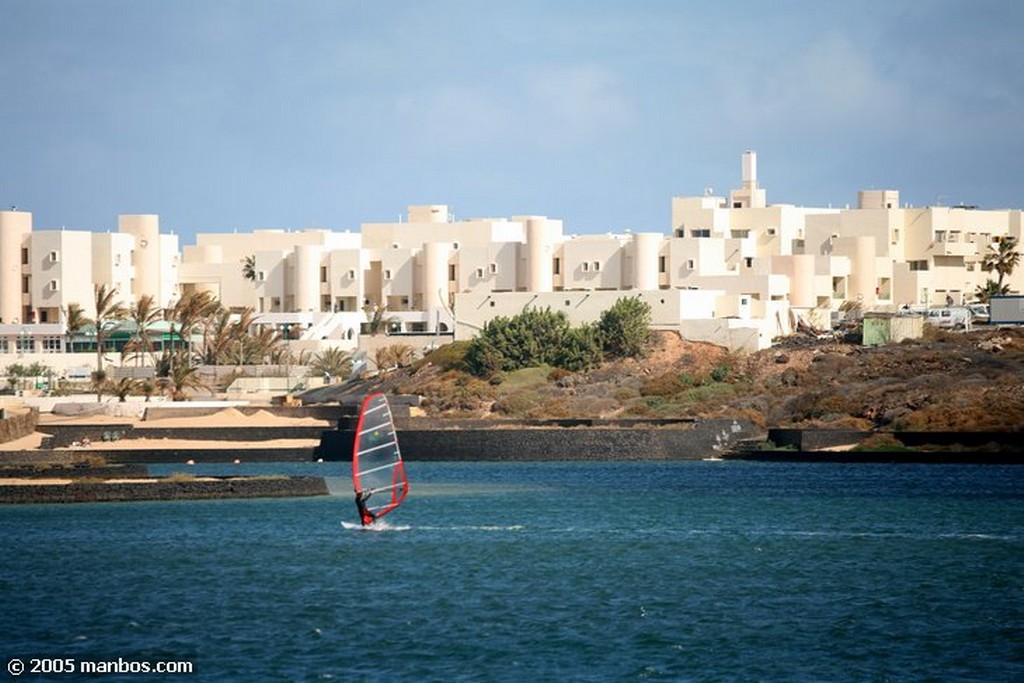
(531, 338)
(580, 349)
(625, 328)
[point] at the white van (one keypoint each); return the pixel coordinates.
(949, 316)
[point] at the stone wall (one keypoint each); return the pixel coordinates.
(65, 435)
(692, 441)
(14, 426)
(73, 471)
(156, 413)
(92, 492)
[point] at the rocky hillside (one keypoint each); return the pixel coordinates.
(946, 381)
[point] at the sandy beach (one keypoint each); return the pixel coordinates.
(228, 417)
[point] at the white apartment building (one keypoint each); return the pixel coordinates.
(733, 270)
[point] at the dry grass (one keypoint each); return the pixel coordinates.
(947, 381)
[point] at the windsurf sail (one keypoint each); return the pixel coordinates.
(378, 473)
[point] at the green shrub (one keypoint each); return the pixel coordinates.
(625, 328)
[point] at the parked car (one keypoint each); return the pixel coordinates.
(949, 317)
(979, 312)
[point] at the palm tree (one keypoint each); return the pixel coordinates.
(122, 387)
(181, 376)
(189, 312)
(394, 356)
(75, 321)
(249, 268)
(1002, 259)
(145, 313)
(221, 338)
(333, 362)
(107, 310)
(990, 289)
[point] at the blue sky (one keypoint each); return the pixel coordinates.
(238, 115)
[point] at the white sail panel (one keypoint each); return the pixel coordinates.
(378, 472)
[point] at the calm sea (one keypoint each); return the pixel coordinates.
(693, 571)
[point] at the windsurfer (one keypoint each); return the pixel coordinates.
(365, 515)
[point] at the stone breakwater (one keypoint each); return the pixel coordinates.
(163, 489)
(483, 440)
(72, 470)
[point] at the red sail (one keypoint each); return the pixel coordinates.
(377, 469)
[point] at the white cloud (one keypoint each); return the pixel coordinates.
(453, 115)
(832, 84)
(556, 108)
(576, 104)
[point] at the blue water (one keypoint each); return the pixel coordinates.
(695, 571)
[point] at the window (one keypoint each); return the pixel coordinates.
(387, 273)
(558, 266)
(24, 284)
(261, 276)
(24, 257)
(23, 344)
(323, 273)
(771, 231)
(480, 272)
(662, 264)
(597, 266)
(455, 246)
(451, 272)
(3, 345)
(350, 274)
(54, 285)
(492, 268)
(748, 261)
(54, 257)
(705, 232)
(585, 267)
(690, 264)
(53, 344)
(918, 265)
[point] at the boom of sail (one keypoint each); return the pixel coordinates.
(377, 468)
